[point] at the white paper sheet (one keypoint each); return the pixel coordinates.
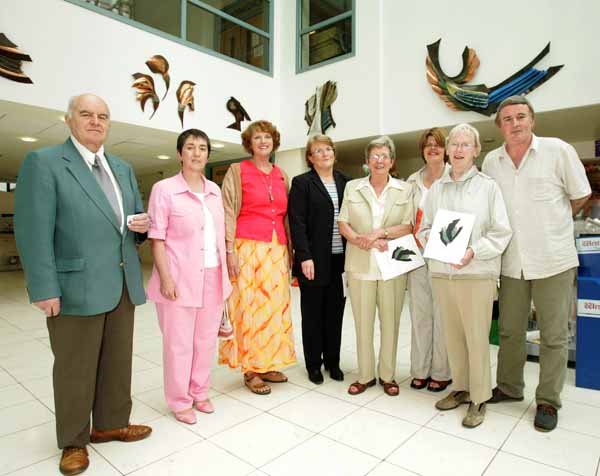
(402, 256)
(449, 236)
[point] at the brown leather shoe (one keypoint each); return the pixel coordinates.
(73, 460)
(128, 434)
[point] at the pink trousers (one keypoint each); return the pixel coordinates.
(189, 342)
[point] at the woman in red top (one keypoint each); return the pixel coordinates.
(255, 202)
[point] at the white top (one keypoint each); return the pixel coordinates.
(377, 211)
(211, 255)
(537, 197)
(479, 195)
(89, 159)
(337, 246)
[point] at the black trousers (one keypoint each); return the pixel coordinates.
(322, 310)
(92, 371)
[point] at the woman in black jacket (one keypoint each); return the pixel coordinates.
(313, 207)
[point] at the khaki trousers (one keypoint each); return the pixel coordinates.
(552, 298)
(386, 297)
(428, 355)
(466, 310)
(92, 371)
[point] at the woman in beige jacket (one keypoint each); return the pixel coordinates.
(465, 292)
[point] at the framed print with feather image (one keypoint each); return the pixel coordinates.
(449, 236)
(402, 256)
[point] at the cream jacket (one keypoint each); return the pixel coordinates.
(477, 194)
(356, 211)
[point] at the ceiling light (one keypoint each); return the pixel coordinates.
(163, 157)
(62, 118)
(217, 145)
(28, 139)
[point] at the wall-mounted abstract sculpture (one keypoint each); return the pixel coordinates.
(239, 113)
(158, 64)
(10, 61)
(460, 96)
(185, 98)
(317, 109)
(144, 86)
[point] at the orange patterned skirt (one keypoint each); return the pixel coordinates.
(259, 309)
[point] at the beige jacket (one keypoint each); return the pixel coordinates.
(356, 211)
(480, 195)
(232, 201)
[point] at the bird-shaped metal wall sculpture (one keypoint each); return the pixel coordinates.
(317, 113)
(185, 98)
(10, 61)
(144, 86)
(158, 64)
(239, 113)
(460, 96)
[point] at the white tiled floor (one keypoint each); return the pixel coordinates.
(300, 429)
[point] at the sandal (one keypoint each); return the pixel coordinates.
(357, 388)
(419, 383)
(273, 377)
(390, 388)
(438, 385)
(256, 384)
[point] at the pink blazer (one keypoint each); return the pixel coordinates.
(178, 219)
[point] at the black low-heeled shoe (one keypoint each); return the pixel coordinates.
(315, 376)
(336, 374)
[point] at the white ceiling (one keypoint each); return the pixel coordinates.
(140, 145)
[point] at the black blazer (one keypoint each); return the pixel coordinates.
(310, 213)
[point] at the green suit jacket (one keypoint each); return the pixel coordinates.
(68, 235)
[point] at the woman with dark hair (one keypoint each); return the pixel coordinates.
(313, 209)
(428, 357)
(189, 281)
(258, 260)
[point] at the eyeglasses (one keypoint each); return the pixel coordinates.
(462, 145)
(322, 150)
(377, 157)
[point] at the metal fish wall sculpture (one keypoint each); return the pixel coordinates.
(450, 232)
(10, 61)
(239, 113)
(460, 96)
(317, 109)
(185, 98)
(144, 86)
(402, 254)
(158, 64)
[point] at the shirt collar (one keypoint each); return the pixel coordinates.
(182, 186)
(392, 183)
(86, 153)
(535, 144)
(447, 178)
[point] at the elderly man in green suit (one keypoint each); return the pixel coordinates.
(78, 218)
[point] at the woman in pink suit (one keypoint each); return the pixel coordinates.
(189, 282)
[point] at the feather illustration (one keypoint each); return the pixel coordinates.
(158, 64)
(402, 254)
(185, 98)
(239, 113)
(450, 232)
(460, 96)
(144, 86)
(10, 61)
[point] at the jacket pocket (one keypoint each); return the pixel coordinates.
(71, 279)
(69, 264)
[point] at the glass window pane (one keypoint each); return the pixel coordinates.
(316, 11)
(327, 43)
(164, 16)
(254, 12)
(213, 32)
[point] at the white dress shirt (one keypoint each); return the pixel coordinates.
(211, 257)
(89, 159)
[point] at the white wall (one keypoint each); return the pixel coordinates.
(505, 35)
(76, 50)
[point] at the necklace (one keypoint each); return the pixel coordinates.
(268, 185)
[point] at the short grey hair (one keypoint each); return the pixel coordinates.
(73, 102)
(513, 101)
(383, 141)
(468, 129)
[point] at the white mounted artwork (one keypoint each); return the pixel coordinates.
(449, 236)
(402, 256)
